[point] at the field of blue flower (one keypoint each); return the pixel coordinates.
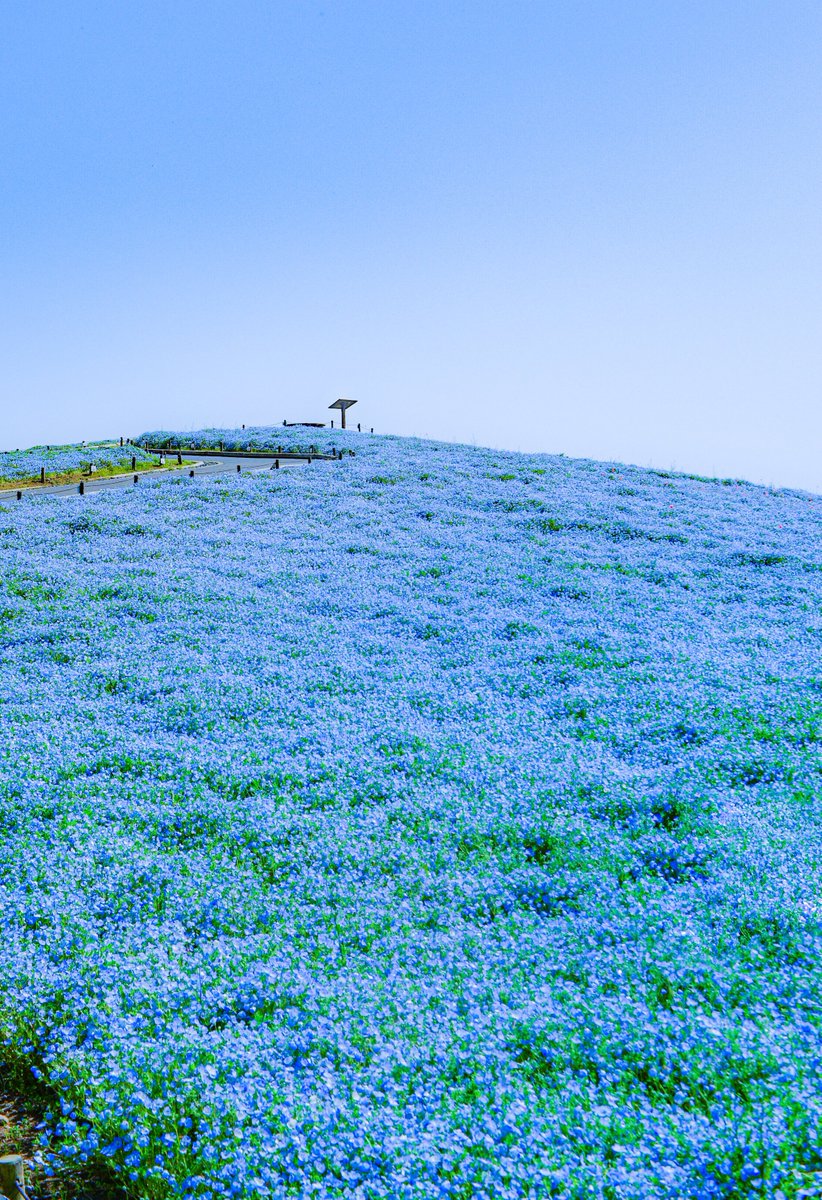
(297, 439)
(435, 822)
(20, 465)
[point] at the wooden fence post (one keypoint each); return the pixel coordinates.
(12, 1179)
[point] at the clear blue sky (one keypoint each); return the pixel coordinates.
(590, 227)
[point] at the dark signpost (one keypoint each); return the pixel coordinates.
(342, 405)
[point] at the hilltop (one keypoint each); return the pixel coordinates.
(437, 821)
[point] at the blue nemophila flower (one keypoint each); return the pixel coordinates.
(433, 821)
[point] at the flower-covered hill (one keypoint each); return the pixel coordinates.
(433, 822)
(294, 438)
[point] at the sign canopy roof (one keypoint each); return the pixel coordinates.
(343, 404)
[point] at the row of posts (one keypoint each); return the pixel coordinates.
(82, 486)
(359, 427)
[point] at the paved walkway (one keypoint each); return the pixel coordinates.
(215, 464)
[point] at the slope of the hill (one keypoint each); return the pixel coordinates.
(434, 822)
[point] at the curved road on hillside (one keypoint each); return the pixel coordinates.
(215, 464)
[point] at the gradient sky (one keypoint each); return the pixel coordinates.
(590, 227)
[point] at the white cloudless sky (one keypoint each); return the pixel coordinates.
(588, 226)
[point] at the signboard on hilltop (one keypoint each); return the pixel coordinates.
(342, 405)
